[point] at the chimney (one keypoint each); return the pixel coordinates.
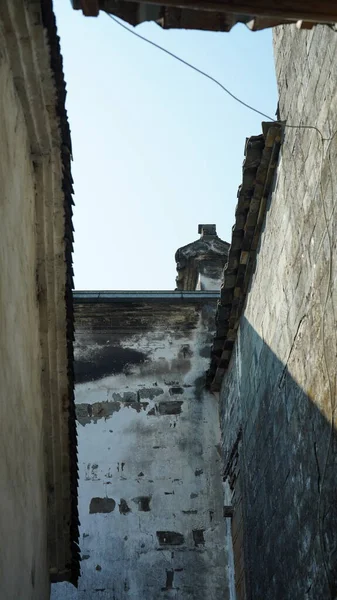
(207, 230)
(200, 264)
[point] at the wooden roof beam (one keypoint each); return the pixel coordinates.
(317, 11)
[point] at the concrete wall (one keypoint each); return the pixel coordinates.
(278, 397)
(151, 499)
(23, 530)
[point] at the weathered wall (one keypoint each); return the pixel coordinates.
(38, 524)
(23, 530)
(151, 500)
(278, 396)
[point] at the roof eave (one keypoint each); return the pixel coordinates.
(215, 15)
(65, 570)
(261, 158)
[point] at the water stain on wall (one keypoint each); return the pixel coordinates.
(107, 360)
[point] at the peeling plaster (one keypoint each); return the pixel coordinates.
(147, 440)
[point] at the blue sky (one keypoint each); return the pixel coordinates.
(157, 148)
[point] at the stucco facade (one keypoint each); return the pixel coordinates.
(23, 523)
(36, 384)
(151, 500)
(278, 391)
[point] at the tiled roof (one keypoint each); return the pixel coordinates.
(56, 65)
(261, 157)
(167, 16)
(213, 15)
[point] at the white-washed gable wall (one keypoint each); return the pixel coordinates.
(151, 500)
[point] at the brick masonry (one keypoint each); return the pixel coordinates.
(280, 386)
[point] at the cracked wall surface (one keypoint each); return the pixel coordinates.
(150, 493)
(278, 395)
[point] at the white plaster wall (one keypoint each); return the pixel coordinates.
(209, 283)
(131, 449)
(23, 554)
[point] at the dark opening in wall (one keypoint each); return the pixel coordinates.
(198, 537)
(170, 538)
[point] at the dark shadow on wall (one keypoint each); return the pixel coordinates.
(280, 458)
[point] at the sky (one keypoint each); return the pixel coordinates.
(157, 148)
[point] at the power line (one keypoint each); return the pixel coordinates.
(226, 90)
(184, 62)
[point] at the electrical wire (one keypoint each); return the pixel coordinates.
(184, 62)
(225, 89)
